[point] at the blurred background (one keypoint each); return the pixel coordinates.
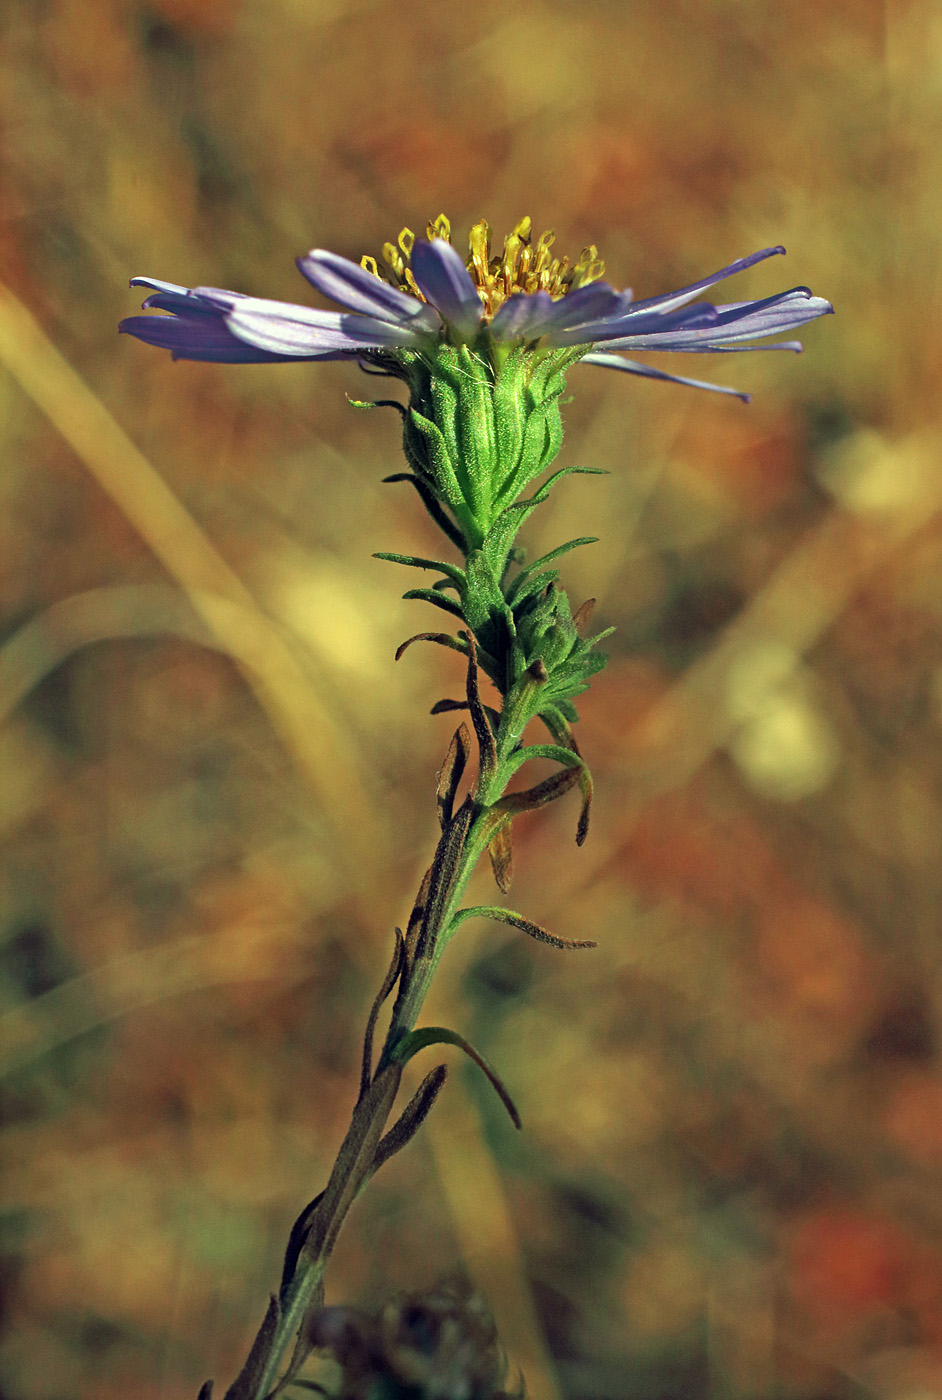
(217, 793)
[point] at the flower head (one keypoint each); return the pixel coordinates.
(426, 296)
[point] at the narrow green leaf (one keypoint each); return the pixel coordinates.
(556, 553)
(556, 752)
(556, 723)
(444, 639)
(439, 464)
(428, 595)
(440, 1035)
(451, 571)
(506, 525)
(508, 916)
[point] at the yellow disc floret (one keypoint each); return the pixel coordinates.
(524, 265)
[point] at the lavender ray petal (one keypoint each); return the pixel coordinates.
(186, 305)
(740, 323)
(280, 328)
(157, 285)
(684, 294)
(445, 281)
(704, 314)
(587, 305)
(649, 372)
(224, 300)
(522, 316)
(352, 286)
(197, 338)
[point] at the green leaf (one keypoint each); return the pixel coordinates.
(486, 611)
(440, 1035)
(501, 534)
(428, 595)
(556, 722)
(444, 639)
(567, 757)
(524, 574)
(501, 915)
(451, 571)
(531, 588)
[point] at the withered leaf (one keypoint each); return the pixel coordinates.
(451, 773)
(412, 1117)
(501, 852)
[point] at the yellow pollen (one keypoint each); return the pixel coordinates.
(523, 266)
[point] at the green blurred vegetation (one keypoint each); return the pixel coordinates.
(217, 786)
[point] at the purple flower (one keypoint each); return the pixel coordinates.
(428, 294)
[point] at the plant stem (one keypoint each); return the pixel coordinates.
(353, 1166)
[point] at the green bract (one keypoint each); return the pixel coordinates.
(482, 423)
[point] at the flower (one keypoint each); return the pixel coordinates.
(427, 296)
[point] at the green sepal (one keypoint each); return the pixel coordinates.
(427, 449)
(476, 429)
(418, 1040)
(510, 409)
